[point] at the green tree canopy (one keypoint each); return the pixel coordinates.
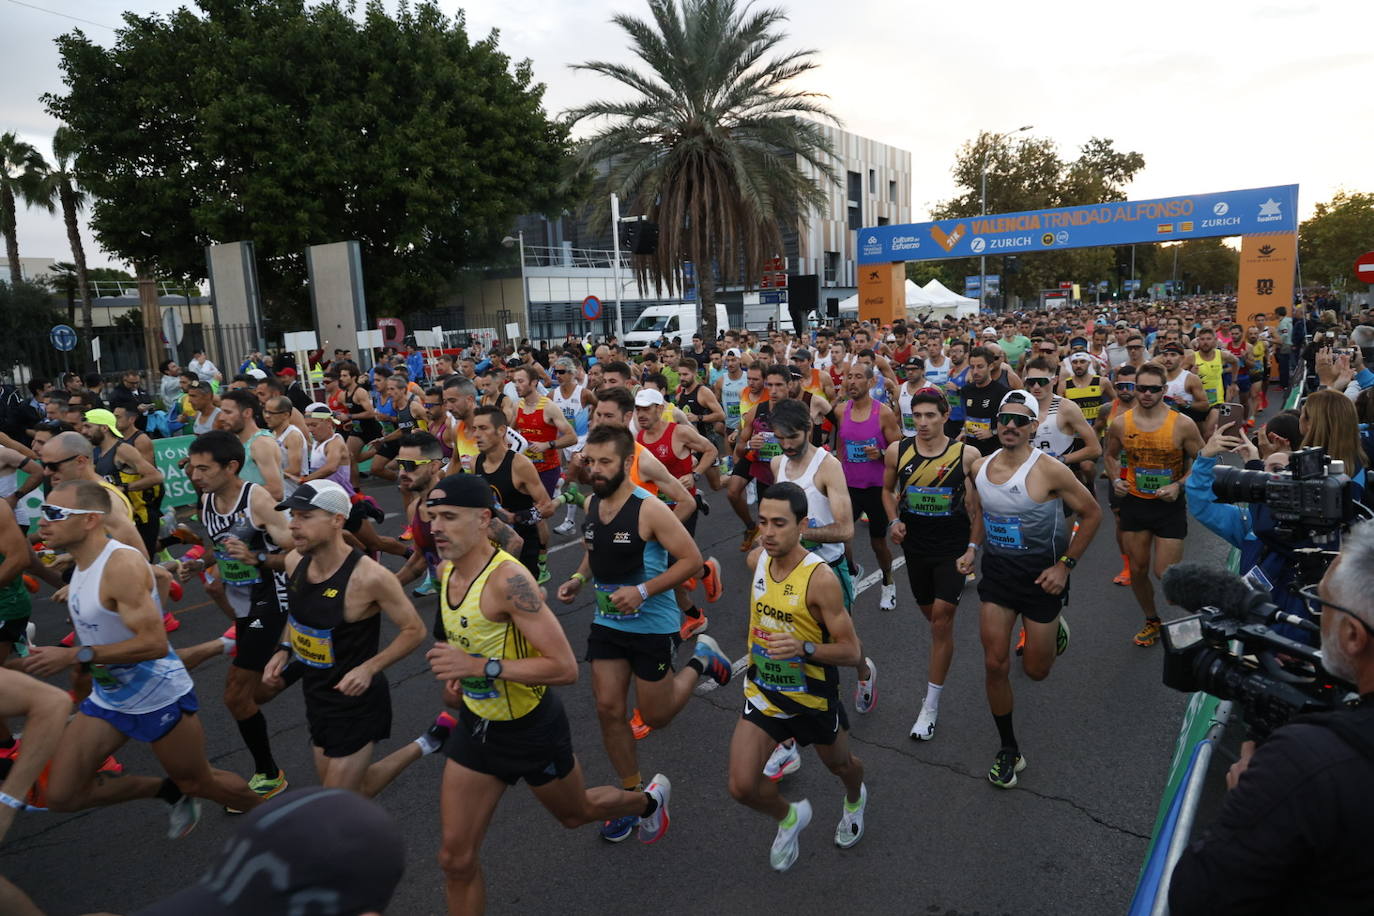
(1339, 231)
(293, 125)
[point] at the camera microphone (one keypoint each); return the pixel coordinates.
(1193, 586)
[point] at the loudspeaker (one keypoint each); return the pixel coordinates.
(639, 236)
(803, 296)
(832, 308)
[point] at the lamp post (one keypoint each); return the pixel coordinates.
(983, 211)
(615, 268)
(524, 286)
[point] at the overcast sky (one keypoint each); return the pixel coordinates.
(1216, 94)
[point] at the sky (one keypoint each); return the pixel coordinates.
(1217, 95)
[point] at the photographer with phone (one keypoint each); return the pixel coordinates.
(1293, 835)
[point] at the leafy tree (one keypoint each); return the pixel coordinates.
(61, 279)
(1339, 231)
(1027, 173)
(22, 174)
(293, 125)
(714, 144)
(25, 306)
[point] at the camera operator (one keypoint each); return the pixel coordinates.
(1294, 833)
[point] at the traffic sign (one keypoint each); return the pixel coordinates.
(63, 337)
(173, 327)
(1364, 267)
(773, 297)
(591, 308)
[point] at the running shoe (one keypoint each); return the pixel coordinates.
(1061, 638)
(266, 786)
(850, 829)
(573, 495)
(566, 526)
(174, 590)
(638, 728)
(866, 692)
(784, 761)
(787, 843)
(31, 584)
(543, 572)
(436, 736)
(888, 601)
(711, 581)
(170, 623)
(1123, 577)
(408, 534)
(426, 587)
(691, 626)
(618, 829)
(1021, 642)
(715, 662)
(183, 817)
(68, 641)
(653, 827)
(924, 728)
(230, 640)
(1005, 767)
(858, 574)
(750, 535)
(1148, 634)
(12, 750)
(751, 493)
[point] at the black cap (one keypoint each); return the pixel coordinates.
(328, 852)
(467, 491)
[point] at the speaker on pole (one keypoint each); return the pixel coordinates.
(803, 297)
(639, 236)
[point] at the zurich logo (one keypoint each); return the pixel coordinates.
(978, 244)
(1221, 208)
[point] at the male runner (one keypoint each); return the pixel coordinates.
(576, 400)
(363, 424)
(1063, 430)
(515, 484)
(126, 467)
(980, 396)
(865, 428)
(741, 432)
(1125, 400)
(630, 538)
(798, 638)
(543, 425)
(291, 442)
(501, 648)
(1210, 363)
(261, 456)
(247, 533)
(1029, 553)
(700, 406)
(958, 377)
(140, 689)
(1158, 445)
(333, 629)
(1182, 389)
(927, 495)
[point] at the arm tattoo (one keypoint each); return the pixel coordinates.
(502, 534)
(522, 594)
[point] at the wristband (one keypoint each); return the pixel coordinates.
(643, 591)
(1068, 561)
(974, 546)
(579, 577)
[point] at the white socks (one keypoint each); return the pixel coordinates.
(932, 700)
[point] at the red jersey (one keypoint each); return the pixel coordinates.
(662, 449)
(539, 433)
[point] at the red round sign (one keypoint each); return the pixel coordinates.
(1364, 267)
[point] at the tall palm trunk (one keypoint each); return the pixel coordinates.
(68, 196)
(706, 295)
(11, 232)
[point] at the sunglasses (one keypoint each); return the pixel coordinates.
(431, 406)
(1034, 382)
(1135, 346)
(1014, 419)
(1125, 386)
(405, 464)
(62, 513)
(54, 465)
(1149, 389)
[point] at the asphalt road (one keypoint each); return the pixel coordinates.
(1070, 838)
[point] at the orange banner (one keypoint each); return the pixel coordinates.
(882, 292)
(1268, 262)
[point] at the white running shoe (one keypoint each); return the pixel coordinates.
(888, 601)
(866, 692)
(183, 817)
(787, 844)
(653, 827)
(567, 525)
(751, 493)
(924, 729)
(785, 760)
(850, 829)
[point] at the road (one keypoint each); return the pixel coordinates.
(1097, 735)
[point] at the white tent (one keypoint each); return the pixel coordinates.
(942, 295)
(916, 300)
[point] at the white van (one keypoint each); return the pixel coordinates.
(676, 320)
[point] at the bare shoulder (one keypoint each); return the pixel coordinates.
(519, 587)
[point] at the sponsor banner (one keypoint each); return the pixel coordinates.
(1267, 265)
(882, 293)
(1125, 222)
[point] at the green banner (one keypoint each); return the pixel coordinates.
(167, 454)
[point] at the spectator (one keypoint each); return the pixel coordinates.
(204, 369)
(169, 386)
(129, 393)
(1328, 421)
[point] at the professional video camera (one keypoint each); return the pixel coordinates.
(1271, 677)
(1313, 496)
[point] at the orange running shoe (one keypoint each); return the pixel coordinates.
(750, 535)
(408, 534)
(1021, 642)
(641, 731)
(691, 626)
(170, 623)
(1123, 578)
(714, 588)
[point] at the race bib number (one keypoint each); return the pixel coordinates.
(1213, 396)
(909, 424)
(933, 502)
(479, 688)
(781, 674)
(855, 450)
(311, 646)
(973, 427)
(235, 572)
(534, 453)
(569, 413)
(732, 411)
(1004, 531)
(606, 608)
(770, 448)
(1152, 480)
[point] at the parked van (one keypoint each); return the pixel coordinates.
(675, 320)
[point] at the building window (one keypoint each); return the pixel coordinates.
(873, 181)
(856, 217)
(892, 192)
(832, 266)
(883, 221)
(856, 186)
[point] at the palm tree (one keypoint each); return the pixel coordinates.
(713, 142)
(22, 172)
(62, 183)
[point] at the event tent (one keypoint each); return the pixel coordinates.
(917, 299)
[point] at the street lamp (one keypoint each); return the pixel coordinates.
(983, 211)
(524, 286)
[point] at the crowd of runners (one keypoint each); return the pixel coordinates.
(974, 449)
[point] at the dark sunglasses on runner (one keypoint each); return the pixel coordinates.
(407, 465)
(1014, 419)
(1038, 380)
(54, 465)
(1149, 389)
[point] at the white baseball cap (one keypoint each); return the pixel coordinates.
(1023, 398)
(319, 494)
(649, 397)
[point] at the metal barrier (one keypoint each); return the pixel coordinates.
(1204, 721)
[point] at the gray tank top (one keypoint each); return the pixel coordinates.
(1029, 533)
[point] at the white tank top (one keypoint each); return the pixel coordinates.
(287, 486)
(136, 688)
(904, 406)
(1049, 437)
(817, 505)
(1176, 391)
(937, 374)
(1015, 524)
(570, 405)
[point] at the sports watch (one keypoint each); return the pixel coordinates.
(1068, 561)
(808, 649)
(492, 669)
(85, 655)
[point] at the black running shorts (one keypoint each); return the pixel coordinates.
(1011, 586)
(341, 732)
(812, 728)
(870, 500)
(1161, 518)
(650, 654)
(933, 577)
(537, 747)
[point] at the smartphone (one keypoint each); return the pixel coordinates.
(1231, 414)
